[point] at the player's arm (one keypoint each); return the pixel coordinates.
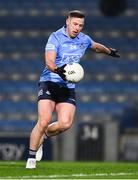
(50, 57)
(100, 48)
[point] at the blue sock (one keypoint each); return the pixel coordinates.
(32, 153)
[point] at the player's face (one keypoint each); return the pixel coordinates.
(74, 26)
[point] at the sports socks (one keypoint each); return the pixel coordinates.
(32, 153)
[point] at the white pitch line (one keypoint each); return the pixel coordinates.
(69, 175)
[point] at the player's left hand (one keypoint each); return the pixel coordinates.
(114, 53)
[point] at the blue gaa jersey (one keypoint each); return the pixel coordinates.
(68, 50)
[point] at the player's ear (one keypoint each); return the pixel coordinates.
(67, 21)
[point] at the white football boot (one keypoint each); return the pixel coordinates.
(39, 153)
(31, 163)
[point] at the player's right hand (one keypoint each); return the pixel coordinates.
(60, 71)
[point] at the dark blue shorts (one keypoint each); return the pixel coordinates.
(56, 92)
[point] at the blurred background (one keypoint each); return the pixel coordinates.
(106, 122)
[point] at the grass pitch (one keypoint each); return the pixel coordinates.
(69, 170)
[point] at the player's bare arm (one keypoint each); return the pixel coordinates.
(50, 57)
(100, 48)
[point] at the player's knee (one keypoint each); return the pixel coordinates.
(66, 125)
(43, 123)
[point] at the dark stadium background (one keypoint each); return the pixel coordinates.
(106, 125)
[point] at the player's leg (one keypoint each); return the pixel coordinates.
(65, 113)
(39, 153)
(65, 109)
(45, 109)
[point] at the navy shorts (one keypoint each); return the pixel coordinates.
(56, 92)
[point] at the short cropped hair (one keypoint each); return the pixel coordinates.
(76, 13)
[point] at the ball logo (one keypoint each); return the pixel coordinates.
(74, 72)
(71, 72)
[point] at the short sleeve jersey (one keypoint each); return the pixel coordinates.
(68, 50)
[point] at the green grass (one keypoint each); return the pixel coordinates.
(69, 170)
